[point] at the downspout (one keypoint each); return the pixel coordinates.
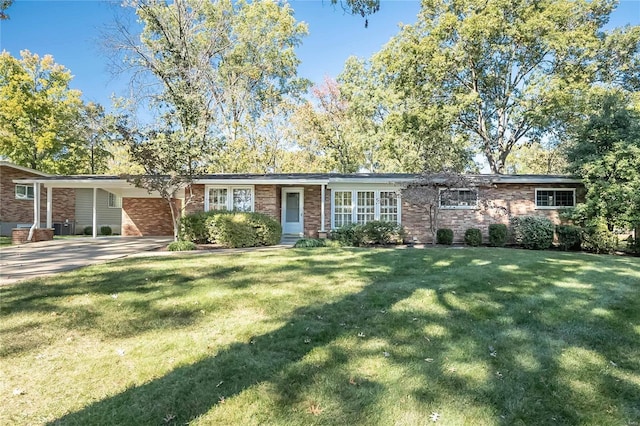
(36, 211)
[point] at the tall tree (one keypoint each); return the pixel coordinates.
(4, 5)
(499, 68)
(39, 112)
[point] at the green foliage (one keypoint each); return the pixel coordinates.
(569, 237)
(633, 245)
(473, 237)
(350, 235)
(310, 243)
(88, 230)
(532, 232)
(381, 232)
(106, 230)
(182, 246)
(498, 233)
(598, 239)
(193, 227)
(444, 236)
(268, 231)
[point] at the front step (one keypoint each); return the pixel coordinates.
(289, 239)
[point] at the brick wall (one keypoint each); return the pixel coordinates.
(21, 211)
(196, 204)
(143, 217)
(267, 200)
(503, 202)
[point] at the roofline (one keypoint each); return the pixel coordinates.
(105, 181)
(22, 168)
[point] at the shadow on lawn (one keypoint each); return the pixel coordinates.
(506, 312)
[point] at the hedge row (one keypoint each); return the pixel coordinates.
(371, 233)
(230, 229)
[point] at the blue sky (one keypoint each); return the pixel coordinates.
(70, 31)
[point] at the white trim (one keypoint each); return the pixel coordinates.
(283, 213)
(94, 216)
(323, 195)
(535, 198)
(117, 200)
(22, 168)
(49, 207)
(458, 207)
(229, 189)
(26, 192)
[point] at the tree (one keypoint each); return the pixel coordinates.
(4, 5)
(499, 69)
(39, 113)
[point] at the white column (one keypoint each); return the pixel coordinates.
(36, 205)
(322, 197)
(95, 213)
(49, 207)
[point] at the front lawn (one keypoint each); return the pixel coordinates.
(327, 336)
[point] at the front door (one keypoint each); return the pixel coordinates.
(292, 211)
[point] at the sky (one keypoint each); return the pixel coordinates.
(71, 31)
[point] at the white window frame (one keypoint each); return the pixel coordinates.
(354, 203)
(458, 207)
(114, 201)
(230, 189)
(26, 192)
(535, 198)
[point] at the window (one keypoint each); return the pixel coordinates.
(458, 198)
(229, 198)
(342, 208)
(114, 202)
(24, 192)
(365, 207)
(553, 198)
(362, 206)
(388, 206)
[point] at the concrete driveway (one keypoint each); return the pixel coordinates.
(49, 257)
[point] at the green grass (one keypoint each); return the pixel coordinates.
(5, 241)
(327, 336)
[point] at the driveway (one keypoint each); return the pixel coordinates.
(49, 257)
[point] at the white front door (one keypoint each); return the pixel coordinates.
(292, 210)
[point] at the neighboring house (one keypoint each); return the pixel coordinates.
(71, 208)
(313, 204)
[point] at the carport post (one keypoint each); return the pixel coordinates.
(95, 214)
(36, 205)
(49, 206)
(322, 196)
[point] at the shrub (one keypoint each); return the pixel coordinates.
(231, 230)
(444, 236)
(569, 237)
(88, 230)
(310, 243)
(268, 231)
(532, 232)
(598, 239)
(349, 235)
(182, 246)
(193, 227)
(473, 237)
(498, 234)
(381, 232)
(105, 230)
(633, 245)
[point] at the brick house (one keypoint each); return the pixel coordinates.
(313, 204)
(70, 207)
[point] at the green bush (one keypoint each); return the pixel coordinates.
(310, 243)
(105, 230)
(88, 230)
(231, 230)
(444, 236)
(381, 232)
(193, 227)
(182, 246)
(569, 237)
(498, 234)
(349, 235)
(598, 239)
(633, 245)
(473, 237)
(532, 232)
(268, 231)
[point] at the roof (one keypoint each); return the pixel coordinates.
(106, 181)
(6, 163)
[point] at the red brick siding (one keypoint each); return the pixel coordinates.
(266, 200)
(21, 211)
(19, 236)
(504, 201)
(142, 217)
(196, 201)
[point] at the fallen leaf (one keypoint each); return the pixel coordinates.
(434, 417)
(168, 418)
(315, 409)
(613, 364)
(114, 296)
(429, 359)
(120, 352)
(221, 399)
(18, 391)
(307, 340)
(386, 354)
(352, 381)
(499, 375)
(361, 334)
